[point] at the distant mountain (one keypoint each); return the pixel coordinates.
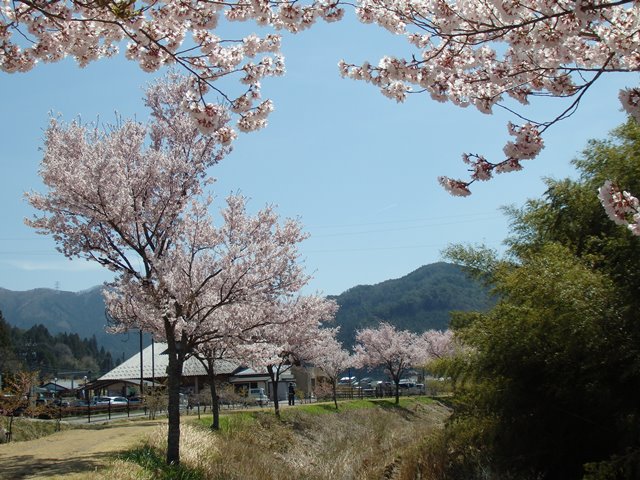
(419, 301)
(66, 312)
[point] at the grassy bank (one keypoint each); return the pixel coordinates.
(364, 439)
(24, 429)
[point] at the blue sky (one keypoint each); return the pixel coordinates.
(357, 168)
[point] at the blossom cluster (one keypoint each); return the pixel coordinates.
(396, 350)
(621, 207)
(479, 53)
(485, 53)
(527, 145)
(630, 99)
(160, 33)
(132, 199)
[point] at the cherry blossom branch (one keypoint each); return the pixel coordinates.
(620, 206)
(546, 45)
(155, 32)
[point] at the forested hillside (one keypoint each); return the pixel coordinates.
(418, 301)
(35, 349)
(82, 313)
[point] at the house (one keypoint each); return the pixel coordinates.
(248, 378)
(125, 378)
(62, 387)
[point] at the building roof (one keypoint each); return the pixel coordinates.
(260, 375)
(60, 385)
(130, 369)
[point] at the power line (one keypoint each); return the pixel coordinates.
(411, 220)
(402, 247)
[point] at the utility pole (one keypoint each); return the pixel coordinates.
(141, 368)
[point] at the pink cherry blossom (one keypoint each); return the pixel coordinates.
(483, 53)
(156, 34)
(438, 344)
(455, 187)
(621, 207)
(395, 350)
(131, 198)
(492, 53)
(327, 353)
(292, 329)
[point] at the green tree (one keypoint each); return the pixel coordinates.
(550, 380)
(544, 379)
(9, 362)
(569, 213)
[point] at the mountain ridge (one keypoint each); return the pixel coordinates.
(62, 311)
(417, 301)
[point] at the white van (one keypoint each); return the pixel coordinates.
(259, 396)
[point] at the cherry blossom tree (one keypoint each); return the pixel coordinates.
(295, 325)
(130, 198)
(438, 344)
(395, 350)
(211, 355)
(190, 298)
(328, 354)
(482, 53)
(244, 346)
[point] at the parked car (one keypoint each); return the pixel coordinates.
(101, 400)
(365, 382)
(348, 381)
(408, 387)
(259, 396)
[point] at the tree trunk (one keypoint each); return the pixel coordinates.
(215, 403)
(274, 374)
(397, 382)
(335, 393)
(174, 376)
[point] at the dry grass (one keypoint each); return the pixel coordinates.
(378, 442)
(118, 469)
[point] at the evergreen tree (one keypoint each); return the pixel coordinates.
(549, 387)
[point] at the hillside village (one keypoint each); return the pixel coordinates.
(419, 301)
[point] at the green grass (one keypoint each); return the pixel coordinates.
(230, 422)
(361, 404)
(152, 461)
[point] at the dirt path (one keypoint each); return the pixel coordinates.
(68, 452)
